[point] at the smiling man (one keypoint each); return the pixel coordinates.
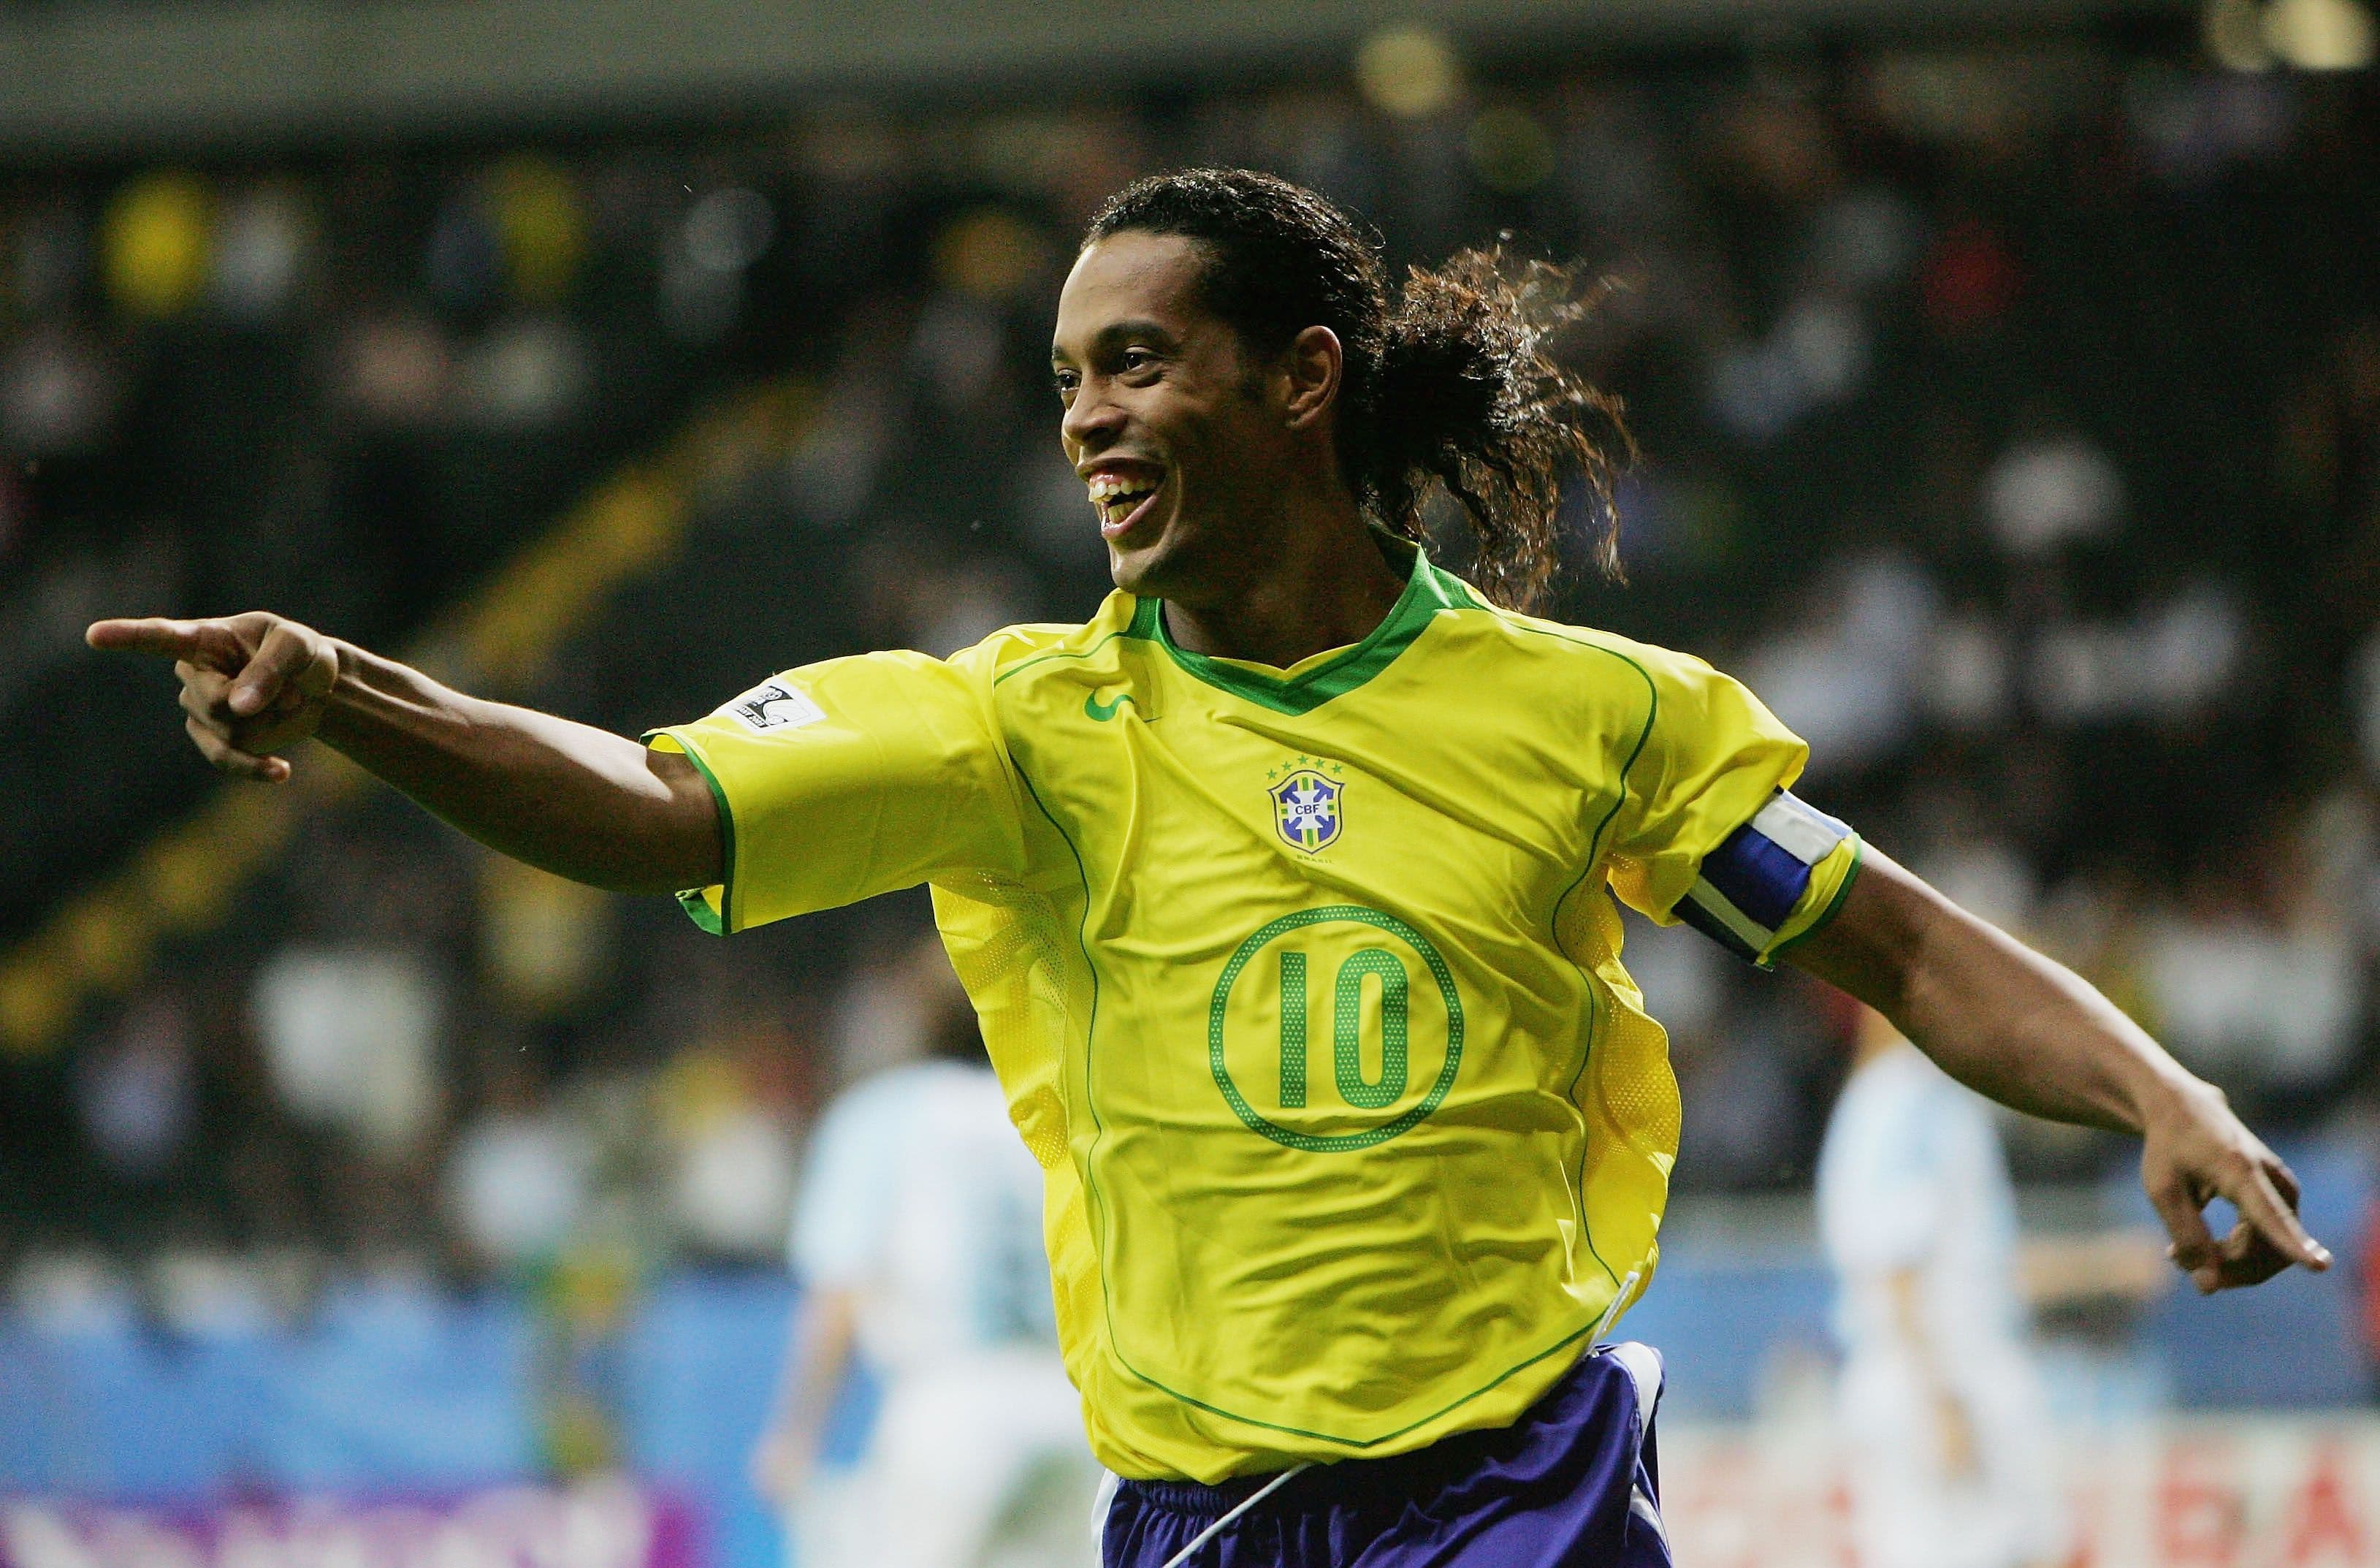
(1283, 888)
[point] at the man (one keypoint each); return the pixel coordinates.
(1941, 1407)
(918, 1245)
(1280, 889)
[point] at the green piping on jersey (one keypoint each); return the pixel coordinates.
(1499, 1381)
(722, 922)
(1595, 864)
(1834, 905)
(1427, 590)
(1019, 668)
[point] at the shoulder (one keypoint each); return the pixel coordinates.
(1653, 678)
(1474, 616)
(1018, 650)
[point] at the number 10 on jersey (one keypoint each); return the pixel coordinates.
(1387, 958)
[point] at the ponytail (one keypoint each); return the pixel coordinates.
(1468, 393)
(1451, 384)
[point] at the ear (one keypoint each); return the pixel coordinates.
(1312, 363)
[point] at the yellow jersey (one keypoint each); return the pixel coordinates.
(1304, 985)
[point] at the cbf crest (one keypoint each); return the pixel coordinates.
(1308, 804)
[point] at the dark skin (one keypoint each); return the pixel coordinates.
(1259, 551)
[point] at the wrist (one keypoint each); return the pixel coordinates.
(2166, 1094)
(348, 698)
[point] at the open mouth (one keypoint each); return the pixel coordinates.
(1121, 500)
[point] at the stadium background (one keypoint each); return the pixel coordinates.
(2010, 385)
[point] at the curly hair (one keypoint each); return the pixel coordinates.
(1448, 380)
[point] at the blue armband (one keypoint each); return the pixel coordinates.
(1746, 892)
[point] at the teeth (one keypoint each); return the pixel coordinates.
(1108, 488)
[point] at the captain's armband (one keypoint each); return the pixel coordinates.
(1774, 881)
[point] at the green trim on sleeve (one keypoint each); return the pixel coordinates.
(721, 921)
(698, 910)
(1825, 917)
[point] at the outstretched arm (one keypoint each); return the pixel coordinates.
(2033, 1035)
(574, 800)
(822, 1346)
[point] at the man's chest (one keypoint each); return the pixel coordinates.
(1185, 820)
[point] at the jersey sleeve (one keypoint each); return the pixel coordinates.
(839, 781)
(1715, 838)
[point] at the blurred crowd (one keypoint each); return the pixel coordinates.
(2011, 421)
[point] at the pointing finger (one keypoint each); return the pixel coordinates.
(203, 642)
(2276, 1220)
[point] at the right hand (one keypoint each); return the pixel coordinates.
(252, 684)
(1954, 1436)
(779, 1468)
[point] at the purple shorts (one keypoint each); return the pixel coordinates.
(1571, 1484)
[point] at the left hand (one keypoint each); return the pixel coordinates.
(2195, 1150)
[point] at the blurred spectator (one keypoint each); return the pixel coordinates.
(528, 373)
(734, 1177)
(58, 392)
(137, 1089)
(2256, 978)
(516, 1179)
(728, 1108)
(351, 1035)
(261, 254)
(398, 370)
(2048, 491)
(1843, 680)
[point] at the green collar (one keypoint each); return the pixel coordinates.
(1427, 590)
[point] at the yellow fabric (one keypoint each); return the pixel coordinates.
(1247, 1276)
(1829, 880)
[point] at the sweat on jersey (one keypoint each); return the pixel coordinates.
(1304, 985)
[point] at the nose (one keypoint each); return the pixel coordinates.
(1091, 423)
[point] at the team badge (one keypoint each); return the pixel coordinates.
(1306, 807)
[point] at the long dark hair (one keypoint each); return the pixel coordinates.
(1449, 379)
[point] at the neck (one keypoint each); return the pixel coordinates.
(1324, 583)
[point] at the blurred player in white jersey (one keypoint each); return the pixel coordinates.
(1940, 1402)
(917, 1243)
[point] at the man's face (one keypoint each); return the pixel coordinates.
(1184, 444)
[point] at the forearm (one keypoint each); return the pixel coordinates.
(2030, 1033)
(825, 1334)
(2033, 1035)
(2001, 1018)
(576, 800)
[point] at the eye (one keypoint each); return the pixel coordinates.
(1064, 383)
(1137, 359)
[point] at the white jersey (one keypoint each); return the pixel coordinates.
(1911, 1177)
(920, 1198)
(1912, 1181)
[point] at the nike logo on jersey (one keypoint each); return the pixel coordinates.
(1103, 712)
